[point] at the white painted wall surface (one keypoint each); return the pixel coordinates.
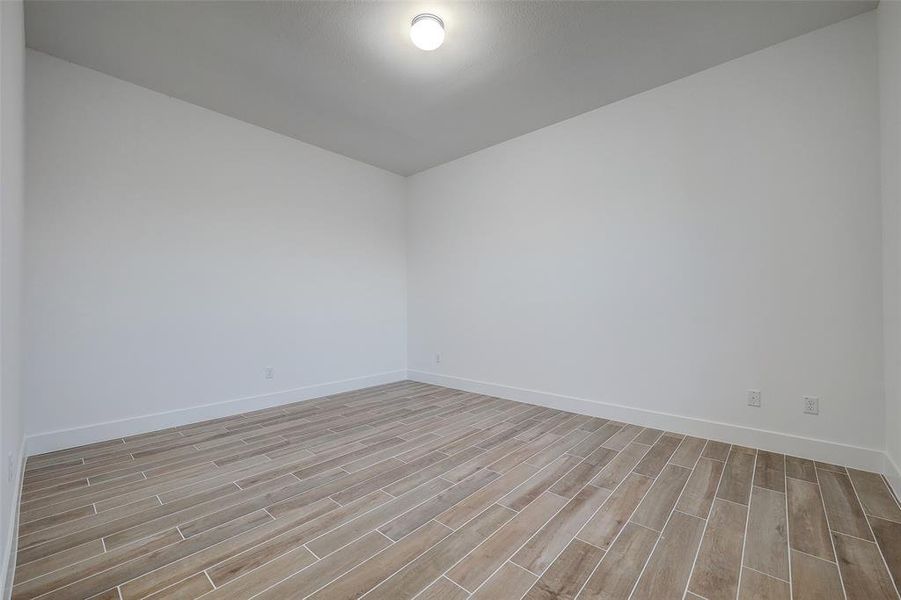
(889, 19)
(173, 253)
(673, 250)
(12, 71)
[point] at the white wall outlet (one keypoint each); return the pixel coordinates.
(270, 372)
(10, 466)
(754, 398)
(437, 358)
(811, 405)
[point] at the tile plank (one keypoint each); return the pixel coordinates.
(888, 537)
(649, 436)
(344, 534)
(303, 581)
(770, 471)
(443, 589)
(657, 457)
(473, 570)
(373, 571)
(610, 519)
(716, 450)
(421, 572)
(808, 531)
(735, 484)
(621, 465)
(658, 503)
(564, 578)
(192, 587)
(619, 570)
(697, 497)
(688, 452)
(469, 507)
(863, 573)
(412, 520)
(669, 567)
(843, 511)
(510, 581)
(814, 578)
(800, 468)
(757, 586)
(520, 497)
(538, 553)
(875, 496)
(766, 547)
(718, 564)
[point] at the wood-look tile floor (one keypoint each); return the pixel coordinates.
(410, 490)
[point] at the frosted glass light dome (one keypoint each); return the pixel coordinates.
(427, 31)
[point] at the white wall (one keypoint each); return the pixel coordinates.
(663, 254)
(172, 254)
(12, 69)
(673, 250)
(889, 18)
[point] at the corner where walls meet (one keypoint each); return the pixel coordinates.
(649, 261)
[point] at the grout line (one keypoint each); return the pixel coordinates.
(713, 499)
(660, 534)
(764, 574)
(897, 522)
(814, 555)
(631, 514)
(529, 571)
(855, 537)
(180, 533)
(587, 543)
(210, 579)
(763, 487)
(449, 580)
(726, 500)
(744, 541)
(681, 512)
(514, 516)
(646, 527)
(386, 537)
(538, 530)
(377, 530)
(308, 550)
(873, 533)
(841, 578)
(788, 538)
(384, 579)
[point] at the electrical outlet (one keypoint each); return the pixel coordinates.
(270, 373)
(437, 358)
(754, 398)
(811, 405)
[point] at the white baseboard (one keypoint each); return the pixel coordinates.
(869, 459)
(7, 568)
(893, 475)
(67, 438)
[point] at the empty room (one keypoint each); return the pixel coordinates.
(449, 300)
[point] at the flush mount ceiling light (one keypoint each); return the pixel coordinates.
(427, 31)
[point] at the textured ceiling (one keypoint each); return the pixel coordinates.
(344, 75)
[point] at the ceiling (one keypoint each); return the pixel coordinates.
(345, 76)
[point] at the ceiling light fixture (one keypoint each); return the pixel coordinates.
(427, 31)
